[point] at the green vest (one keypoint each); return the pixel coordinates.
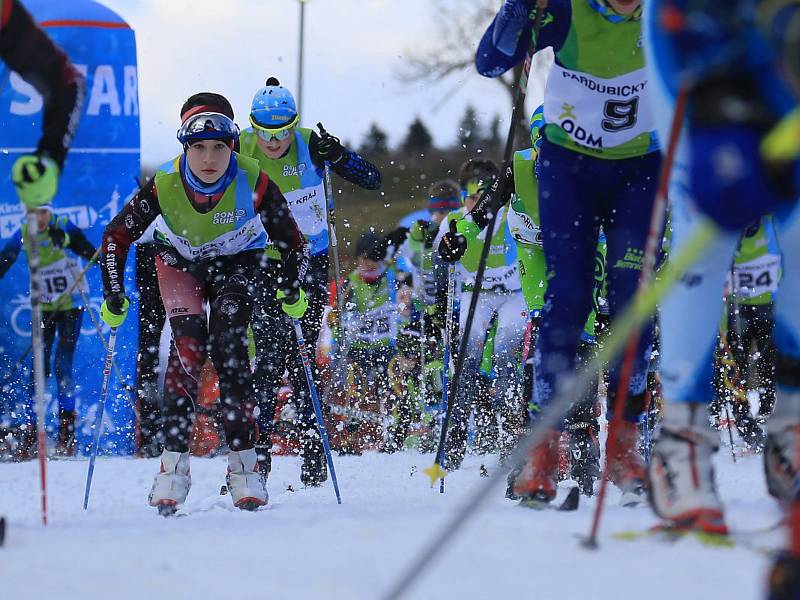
(371, 319)
(501, 263)
(424, 281)
(232, 226)
(597, 96)
(523, 220)
(757, 267)
(57, 271)
(299, 181)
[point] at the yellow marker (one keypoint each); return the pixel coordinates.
(782, 144)
(435, 472)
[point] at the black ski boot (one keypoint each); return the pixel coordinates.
(314, 470)
(584, 456)
(264, 456)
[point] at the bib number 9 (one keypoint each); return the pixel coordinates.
(620, 114)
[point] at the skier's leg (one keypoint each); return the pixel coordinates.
(764, 336)
(626, 223)
(783, 426)
(314, 469)
(511, 322)
(231, 308)
(69, 329)
(151, 322)
(183, 296)
(466, 387)
(681, 473)
(570, 224)
(273, 346)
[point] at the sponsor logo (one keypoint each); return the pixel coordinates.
(229, 216)
(294, 171)
(179, 311)
(627, 90)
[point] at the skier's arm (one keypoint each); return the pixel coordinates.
(346, 163)
(505, 42)
(390, 244)
(78, 242)
(10, 252)
(283, 231)
(123, 230)
(493, 199)
(26, 49)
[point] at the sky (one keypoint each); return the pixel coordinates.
(354, 51)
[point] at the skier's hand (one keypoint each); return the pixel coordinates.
(36, 179)
(327, 147)
(398, 236)
(114, 310)
(453, 245)
(296, 305)
(59, 237)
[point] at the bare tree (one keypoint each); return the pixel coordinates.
(458, 27)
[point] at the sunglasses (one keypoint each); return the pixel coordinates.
(268, 135)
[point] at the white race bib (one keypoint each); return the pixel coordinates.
(599, 113)
(57, 278)
(758, 276)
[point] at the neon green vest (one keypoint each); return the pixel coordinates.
(299, 181)
(57, 271)
(597, 96)
(232, 226)
(372, 319)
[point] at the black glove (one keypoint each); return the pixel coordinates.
(453, 245)
(397, 237)
(327, 147)
(59, 237)
(116, 303)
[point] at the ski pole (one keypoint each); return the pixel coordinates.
(18, 364)
(125, 386)
(657, 218)
(436, 471)
(423, 339)
(312, 388)
(37, 343)
(334, 243)
(98, 420)
(631, 318)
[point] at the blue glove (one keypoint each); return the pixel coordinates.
(509, 25)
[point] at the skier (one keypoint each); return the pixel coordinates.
(62, 313)
(294, 158)
(27, 50)
(523, 219)
(501, 298)
(212, 210)
(599, 161)
(733, 62)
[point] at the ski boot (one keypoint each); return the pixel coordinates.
(781, 458)
(27, 448)
(171, 485)
(584, 452)
(264, 455)
(246, 482)
(314, 470)
(681, 478)
(537, 481)
(65, 445)
(625, 465)
(748, 427)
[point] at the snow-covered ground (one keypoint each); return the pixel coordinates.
(305, 546)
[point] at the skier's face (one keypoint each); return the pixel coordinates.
(42, 219)
(624, 7)
(208, 159)
(438, 216)
(275, 148)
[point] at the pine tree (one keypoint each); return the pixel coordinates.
(418, 138)
(469, 129)
(375, 142)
